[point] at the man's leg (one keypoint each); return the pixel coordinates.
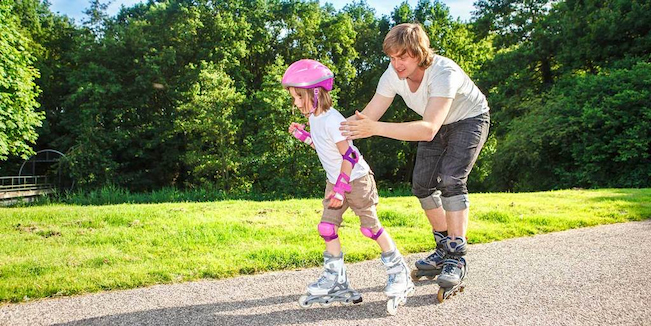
(457, 223)
(437, 218)
(424, 182)
(465, 140)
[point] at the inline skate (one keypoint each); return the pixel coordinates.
(451, 279)
(431, 266)
(332, 286)
(399, 285)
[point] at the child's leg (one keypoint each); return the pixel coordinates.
(363, 200)
(381, 237)
(329, 233)
(330, 221)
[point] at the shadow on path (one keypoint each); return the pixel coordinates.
(251, 312)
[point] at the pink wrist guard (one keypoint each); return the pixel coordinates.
(302, 135)
(341, 188)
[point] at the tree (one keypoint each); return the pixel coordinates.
(588, 131)
(206, 122)
(18, 90)
(594, 34)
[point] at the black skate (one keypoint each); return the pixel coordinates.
(451, 279)
(431, 266)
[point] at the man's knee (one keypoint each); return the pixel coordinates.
(454, 193)
(428, 199)
(456, 203)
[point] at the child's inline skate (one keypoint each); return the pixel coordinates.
(454, 268)
(332, 286)
(431, 265)
(399, 285)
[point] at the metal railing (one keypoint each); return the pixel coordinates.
(24, 183)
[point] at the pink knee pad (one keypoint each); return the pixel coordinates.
(327, 231)
(369, 233)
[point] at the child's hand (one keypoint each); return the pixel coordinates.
(334, 202)
(294, 125)
(298, 131)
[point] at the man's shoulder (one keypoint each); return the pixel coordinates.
(443, 68)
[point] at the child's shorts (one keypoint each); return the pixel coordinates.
(362, 199)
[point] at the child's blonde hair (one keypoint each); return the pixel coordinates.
(410, 38)
(307, 94)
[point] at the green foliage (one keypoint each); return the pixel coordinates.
(206, 123)
(18, 91)
(186, 94)
(594, 34)
(567, 77)
(588, 131)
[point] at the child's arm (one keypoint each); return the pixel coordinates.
(298, 131)
(343, 181)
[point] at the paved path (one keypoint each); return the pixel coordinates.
(590, 276)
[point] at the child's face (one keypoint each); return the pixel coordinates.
(299, 102)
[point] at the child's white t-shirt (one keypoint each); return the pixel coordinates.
(325, 133)
(444, 78)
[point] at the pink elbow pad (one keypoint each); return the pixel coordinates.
(351, 156)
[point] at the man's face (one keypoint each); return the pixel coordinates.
(404, 64)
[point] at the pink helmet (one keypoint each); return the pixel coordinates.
(308, 73)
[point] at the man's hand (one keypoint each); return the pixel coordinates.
(360, 127)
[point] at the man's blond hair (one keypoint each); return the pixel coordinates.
(409, 38)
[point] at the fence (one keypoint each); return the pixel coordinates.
(24, 186)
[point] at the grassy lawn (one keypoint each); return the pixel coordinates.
(57, 250)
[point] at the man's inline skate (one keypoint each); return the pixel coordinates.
(432, 265)
(332, 286)
(454, 268)
(399, 285)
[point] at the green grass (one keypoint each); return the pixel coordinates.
(61, 249)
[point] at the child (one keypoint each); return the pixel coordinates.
(350, 183)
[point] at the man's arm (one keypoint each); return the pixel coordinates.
(424, 130)
(376, 108)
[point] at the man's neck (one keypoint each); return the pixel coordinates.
(417, 76)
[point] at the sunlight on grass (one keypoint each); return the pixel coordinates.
(58, 250)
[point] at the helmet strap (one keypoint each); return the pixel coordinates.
(316, 99)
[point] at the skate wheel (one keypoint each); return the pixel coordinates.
(414, 275)
(326, 303)
(441, 295)
(431, 277)
(302, 301)
(392, 306)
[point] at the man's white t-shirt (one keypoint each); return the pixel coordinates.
(325, 133)
(444, 78)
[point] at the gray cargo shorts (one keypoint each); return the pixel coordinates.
(443, 164)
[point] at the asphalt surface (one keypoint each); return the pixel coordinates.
(589, 276)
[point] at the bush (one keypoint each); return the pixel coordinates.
(588, 131)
